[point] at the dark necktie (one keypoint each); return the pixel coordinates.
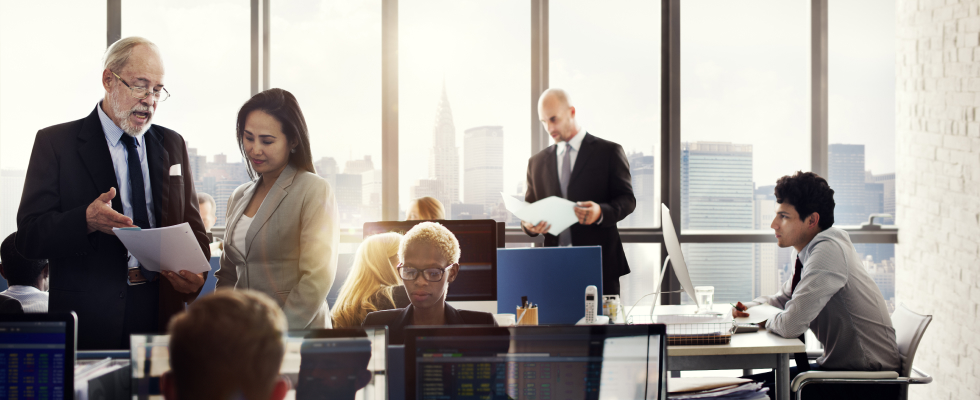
(802, 363)
(565, 237)
(137, 198)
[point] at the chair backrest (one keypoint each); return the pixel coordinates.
(909, 328)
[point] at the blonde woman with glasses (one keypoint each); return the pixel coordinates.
(372, 284)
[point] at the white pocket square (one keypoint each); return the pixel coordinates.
(175, 170)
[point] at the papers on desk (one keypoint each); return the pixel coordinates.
(558, 212)
(171, 248)
(715, 388)
(758, 314)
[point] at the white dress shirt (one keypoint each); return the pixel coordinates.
(241, 231)
(120, 163)
(31, 299)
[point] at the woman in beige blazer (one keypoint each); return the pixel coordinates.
(281, 234)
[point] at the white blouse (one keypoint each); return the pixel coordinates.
(241, 230)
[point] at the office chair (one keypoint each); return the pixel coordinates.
(909, 328)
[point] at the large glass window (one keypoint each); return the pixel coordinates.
(745, 120)
(611, 71)
(206, 49)
(464, 115)
(328, 54)
(862, 124)
(50, 72)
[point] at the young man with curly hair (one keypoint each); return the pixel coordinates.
(429, 262)
(831, 292)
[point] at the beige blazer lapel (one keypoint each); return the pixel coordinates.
(270, 204)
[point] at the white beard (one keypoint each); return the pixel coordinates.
(123, 116)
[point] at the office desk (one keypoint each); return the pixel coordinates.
(747, 350)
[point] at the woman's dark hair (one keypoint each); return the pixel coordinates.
(808, 193)
(282, 106)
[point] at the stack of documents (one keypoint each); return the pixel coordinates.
(716, 388)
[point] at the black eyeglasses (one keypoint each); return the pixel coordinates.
(430, 274)
(141, 92)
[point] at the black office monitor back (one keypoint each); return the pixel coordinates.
(477, 280)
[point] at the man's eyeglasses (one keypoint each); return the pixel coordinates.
(141, 92)
(430, 274)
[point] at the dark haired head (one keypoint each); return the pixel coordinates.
(808, 193)
(17, 269)
(282, 106)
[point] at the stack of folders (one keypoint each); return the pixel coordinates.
(102, 380)
(716, 388)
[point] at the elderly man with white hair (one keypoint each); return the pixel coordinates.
(590, 171)
(111, 169)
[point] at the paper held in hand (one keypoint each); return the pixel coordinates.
(171, 248)
(558, 212)
(758, 314)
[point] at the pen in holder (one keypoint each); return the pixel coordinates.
(527, 316)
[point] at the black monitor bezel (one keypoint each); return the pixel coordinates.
(71, 340)
(399, 226)
(412, 333)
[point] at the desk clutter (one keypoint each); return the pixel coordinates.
(716, 388)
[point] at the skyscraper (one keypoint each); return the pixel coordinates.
(641, 174)
(769, 258)
(483, 166)
(846, 177)
(717, 193)
(444, 158)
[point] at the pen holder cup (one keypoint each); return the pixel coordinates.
(530, 316)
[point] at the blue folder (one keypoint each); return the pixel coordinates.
(554, 278)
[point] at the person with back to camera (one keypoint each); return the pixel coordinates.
(831, 293)
(425, 208)
(27, 280)
(281, 234)
(228, 345)
(429, 255)
(372, 284)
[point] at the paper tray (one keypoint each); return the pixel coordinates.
(692, 329)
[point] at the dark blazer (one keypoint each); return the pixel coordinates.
(601, 174)
(70, 167)
(10, 305)
(398, 319)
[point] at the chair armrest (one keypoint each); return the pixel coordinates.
(814, 354)
(923, 377)
(804, 376)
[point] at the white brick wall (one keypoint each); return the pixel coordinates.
(938, 187)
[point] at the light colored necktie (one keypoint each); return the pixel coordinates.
(565, 237)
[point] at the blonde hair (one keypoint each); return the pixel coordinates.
(372, 272)
(227, 345)
(117, 55)
(433, 234)
(426, 208)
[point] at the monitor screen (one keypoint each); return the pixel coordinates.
(537, 362)
(319, 364)
(36, 358)
(477, 280)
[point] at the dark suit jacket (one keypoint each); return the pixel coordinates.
(10, 305)
(601, 174)
(398, 319)
(70, 167)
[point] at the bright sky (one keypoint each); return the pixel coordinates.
(745, 73)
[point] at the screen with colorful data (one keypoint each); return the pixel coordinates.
(35, 361)
(537, 363)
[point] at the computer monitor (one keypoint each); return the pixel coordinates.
(477, 279)
(536, 362)
(339, 363)
(675, 255)
(37, 355)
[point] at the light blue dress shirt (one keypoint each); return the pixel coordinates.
(120, 163)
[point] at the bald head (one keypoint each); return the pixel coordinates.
(557, 115)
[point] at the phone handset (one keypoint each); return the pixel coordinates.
(591, 304)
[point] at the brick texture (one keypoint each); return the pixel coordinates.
(938, 187)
